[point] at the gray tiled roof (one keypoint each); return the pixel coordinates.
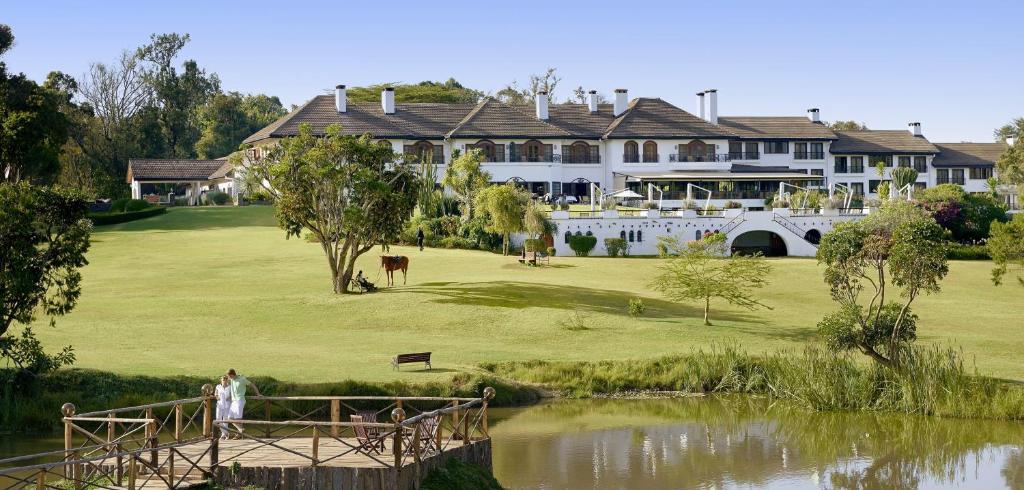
(655, 118)
(794, 128)
(968, 154)
(872, 141)
(172, 170)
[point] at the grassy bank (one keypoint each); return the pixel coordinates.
(33, 404)
(197, 290)
(935, 381)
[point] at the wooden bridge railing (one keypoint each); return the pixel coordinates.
(133, 446)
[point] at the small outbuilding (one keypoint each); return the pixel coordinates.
(197, 176)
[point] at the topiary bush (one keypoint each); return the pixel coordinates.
(218, 198)
(616, 247)
(534, 244)
(118, 205)
(551, 251)
(582, 245)
(135, 205)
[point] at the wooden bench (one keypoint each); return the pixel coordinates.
(423, 357)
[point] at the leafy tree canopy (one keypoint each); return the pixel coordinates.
(504, 206)
(229, 118)
(44, 236)
(448, 92)
(1006, 246)
(849, 125)
(967, 216)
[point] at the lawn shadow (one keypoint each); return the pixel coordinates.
(428, 371)
(515, 294)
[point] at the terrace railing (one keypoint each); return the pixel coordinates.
(686, 158)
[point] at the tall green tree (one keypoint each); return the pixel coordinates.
(178, 95)
(229, 118)
(849, 125)
(504, 206)
(1006, 246)
(899, 245)
(44, 236)
(32, 127)
(700, 270)
(346, 191)
(465, 177)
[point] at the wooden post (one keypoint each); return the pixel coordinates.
(396, 446)
(416, 445)
(132, 472)
(76, 472)
(170, 468)
(177, 423)
(214, 453)
(266, 417)
(335, 416)
(68, 455)
(316, 445)
(465, 427)
(151, 438)
(440, 430)
(207, 417)
(455, 420)
(41, 480)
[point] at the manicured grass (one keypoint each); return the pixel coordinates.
(195, 291)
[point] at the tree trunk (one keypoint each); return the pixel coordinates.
(707, 310)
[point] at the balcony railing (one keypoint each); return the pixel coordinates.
(745, 155)
(809, 155)
(570, 158)
(711, 157)
(541, 158)
(636, 158)
(630, 158)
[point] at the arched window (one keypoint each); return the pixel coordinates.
(622, 234)
(579, 152)
(423, 150)
(533, 151)
(589, 233)
(631, 236)
(639, 235)
(697, 151)
(568, 235)
(490, 150)
(578, 233)
(650, 152)
(697, 234)
(631, 152)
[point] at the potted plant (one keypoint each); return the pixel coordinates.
(652, 209)
(732, 209)
(780, 207)
(689, 209)
(830, 206)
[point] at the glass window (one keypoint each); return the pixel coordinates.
(857, 188)
(631, 153)
(800, 151)
(751, 149)
(841, 165)
(736, 150)
(981, 173)
(942, 176)
(817, 151)
(886, 159)
(857, 165)
(921, 164)
(776, 147)
(904, 162)
(958, 176)
(650, 152)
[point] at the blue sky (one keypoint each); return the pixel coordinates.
(956, 67)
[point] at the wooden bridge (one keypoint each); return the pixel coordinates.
(314, 442)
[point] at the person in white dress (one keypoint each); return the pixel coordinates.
(224, 405)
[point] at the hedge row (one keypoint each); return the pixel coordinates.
(100, 219)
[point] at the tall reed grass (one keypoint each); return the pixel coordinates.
(932, 381)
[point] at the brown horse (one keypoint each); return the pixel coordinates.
(392, 263)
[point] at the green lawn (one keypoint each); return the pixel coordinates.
(196, 291)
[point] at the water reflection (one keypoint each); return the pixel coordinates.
(746, 442)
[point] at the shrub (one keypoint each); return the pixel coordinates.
(534, 244)
(457, 242)
(582, 244)
(114, 218)
(616, 246)
(218, 198)
(968, 252)
(650, 204)
(733, 205)
(258, 195)
(136, 205)
(636, 307)
(609, 203)
(551, 251)
(181, 201)
(118, 205)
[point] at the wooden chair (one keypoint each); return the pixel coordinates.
(368, 437)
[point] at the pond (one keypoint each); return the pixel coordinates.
(727, 442)
(743, 442)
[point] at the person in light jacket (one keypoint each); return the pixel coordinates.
(223, 404)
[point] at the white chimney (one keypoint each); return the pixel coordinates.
(814, 114)
(621, 101)
(541, 101)
(712, 105)
(592, 101)
(340, 98)
(1010, 140)
(387, 100)
(915, 128)
(700, 105)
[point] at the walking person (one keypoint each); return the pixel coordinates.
(419, 238)
(238, 385)
(223, 405)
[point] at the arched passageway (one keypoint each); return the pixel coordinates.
(767, 243)
(813, 236)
